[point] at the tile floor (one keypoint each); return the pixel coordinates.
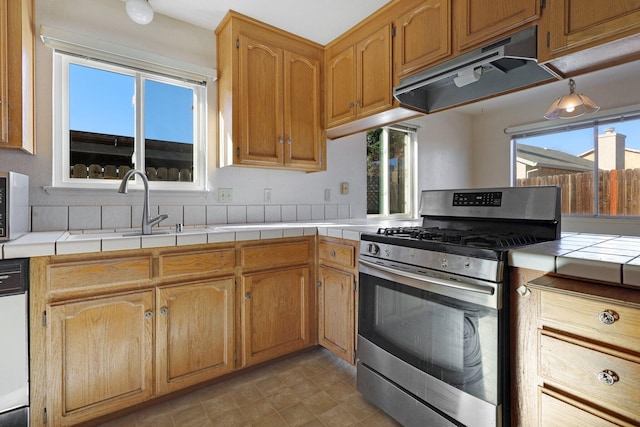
(314, 389)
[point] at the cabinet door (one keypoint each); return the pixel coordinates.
(100, 356)
(423, 36)
(261, 113)
(275, 313)
(373, 64)
(341, 87)
(4, 102)
(195, 340)
(336, 317)
(480, 20)
(586, 23)
(16, 74)
(303, 130)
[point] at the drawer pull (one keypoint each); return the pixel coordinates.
(608, 317)
(608, 377)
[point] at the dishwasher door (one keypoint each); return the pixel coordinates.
(14, 339)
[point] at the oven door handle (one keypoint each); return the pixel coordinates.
(427, 279)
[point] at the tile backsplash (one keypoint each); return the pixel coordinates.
(55, 218)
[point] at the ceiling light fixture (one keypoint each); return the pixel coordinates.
(139, 11)
(572, 105)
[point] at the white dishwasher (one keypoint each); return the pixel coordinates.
(14, 342)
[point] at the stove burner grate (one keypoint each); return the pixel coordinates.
(483, 239)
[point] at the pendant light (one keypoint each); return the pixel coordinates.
(139, 11)
(572, 105)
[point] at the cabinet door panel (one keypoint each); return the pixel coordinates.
(302, 110)
(374, 72)
(195, 333)
(423, 36)
(480, 20)
(341, 87)
(101, 354)
(275, 313)
(261, 117)
(336, 312)
(555, 410)
(582, 22)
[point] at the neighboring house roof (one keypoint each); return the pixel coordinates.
(547, 158)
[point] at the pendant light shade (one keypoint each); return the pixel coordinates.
(572, 105)
(139, 11)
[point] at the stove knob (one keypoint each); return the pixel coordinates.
(373, 249)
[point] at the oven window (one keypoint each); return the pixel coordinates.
(454, 341)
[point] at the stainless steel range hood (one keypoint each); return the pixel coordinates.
(506, 65)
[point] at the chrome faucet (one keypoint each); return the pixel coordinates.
(147, 222)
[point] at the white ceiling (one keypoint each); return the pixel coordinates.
(317, 20)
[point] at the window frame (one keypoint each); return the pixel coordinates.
(594, 121)
(61, 139)
(411, 159)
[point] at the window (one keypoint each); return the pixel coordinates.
(113, 113)
(391, 171)
(596, 163)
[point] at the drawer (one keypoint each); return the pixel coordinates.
(557, 410)
(214, 262)
(98, 273)
(336, 253)
(577, 367)
(275, 255)
(603, 321)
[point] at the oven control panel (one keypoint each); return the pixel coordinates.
(490, 198)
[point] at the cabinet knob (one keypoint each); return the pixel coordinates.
(351, 105)
(164, 311)
(247, 295)
(608, 317)
(358, 103)
(332, 252)
(318, 283)
(608, 377)
(281, 140)
(148, 314)
(289, 141)
(523, 291)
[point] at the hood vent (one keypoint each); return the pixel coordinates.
(506, 65)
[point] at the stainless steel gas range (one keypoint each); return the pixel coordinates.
(433, 332)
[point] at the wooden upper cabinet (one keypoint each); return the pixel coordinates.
(373, 65)
(261, 113)
(16, 75)
(422, 36)
(100, 356)
(303, 145)
(359, 77)
(477, 21)
(269, 97)
(569, 27)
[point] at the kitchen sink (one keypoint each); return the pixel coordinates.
(120, 234)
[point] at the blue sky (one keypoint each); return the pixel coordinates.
(579, 141)
(110, 109)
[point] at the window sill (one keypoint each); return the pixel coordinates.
(71, 191)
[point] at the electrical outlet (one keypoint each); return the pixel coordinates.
(344, 188)
(225, 195)
(267, 195)
(327, 194)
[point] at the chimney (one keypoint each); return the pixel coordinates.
(611, 150)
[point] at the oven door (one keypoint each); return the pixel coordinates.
(439, 338)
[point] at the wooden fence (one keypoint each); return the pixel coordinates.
(618, 191)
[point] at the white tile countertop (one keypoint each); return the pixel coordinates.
(608, 258)
(602, 257)
(77, 242)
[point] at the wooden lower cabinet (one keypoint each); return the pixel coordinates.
(337, 292)
(275, 313)
(575, 352)
(195, 338)
(100, 356)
